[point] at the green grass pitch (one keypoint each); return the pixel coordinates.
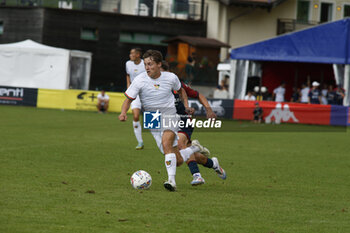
(69, 171)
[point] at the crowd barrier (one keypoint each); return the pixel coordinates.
(77, 100)
(18, 96)
(222, 107)
(58, 99)
(273, 112)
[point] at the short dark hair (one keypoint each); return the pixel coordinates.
(165, 65)
(154, 55)
(137, 50)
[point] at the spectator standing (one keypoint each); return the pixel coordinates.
(296, 95)
(339, 96)
(278, 93)
(223, 85)
(315, 94)
(304, 94)
(221, 91)
(331, 95)
(324, 92)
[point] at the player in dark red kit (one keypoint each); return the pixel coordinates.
(185, 134)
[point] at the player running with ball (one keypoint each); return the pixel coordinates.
(155, 89)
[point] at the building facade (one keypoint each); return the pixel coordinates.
(242, 22)
(108, 36)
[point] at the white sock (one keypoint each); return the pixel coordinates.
(137, 131)
(186, 153)
(194, 148)
(215, 164)
(197, 174)
(170, 164)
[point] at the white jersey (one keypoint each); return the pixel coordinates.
(305, 95)
(279, 92)
(155, 94)
(100, 97)
(133, 70)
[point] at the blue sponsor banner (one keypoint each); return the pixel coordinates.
(339, 115)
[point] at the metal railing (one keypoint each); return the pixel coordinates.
(290, 25)
(67, 4)
(189, 10)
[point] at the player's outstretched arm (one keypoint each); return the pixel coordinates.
(125, 108)
(204, 102)
(184, 99)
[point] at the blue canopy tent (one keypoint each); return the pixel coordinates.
(327, 43)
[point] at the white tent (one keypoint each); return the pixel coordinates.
(33, 65)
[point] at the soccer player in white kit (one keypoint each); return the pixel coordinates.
(155, 89)
(134, 67)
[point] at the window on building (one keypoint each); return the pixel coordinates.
(146, 7)
(346, 11)
(326, 12)
(126, 37)
(1, 27)
(142, 38)
(180, 6)
(89, 34)
(303, 11)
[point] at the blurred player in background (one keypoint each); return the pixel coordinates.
(185, 133)
(155, 89)
(134, 67)
(102, 102)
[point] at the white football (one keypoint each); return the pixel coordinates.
(141, 180)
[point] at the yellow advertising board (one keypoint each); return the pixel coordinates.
(77, 100)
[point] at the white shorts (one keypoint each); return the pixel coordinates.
(136, 103)
(158, 134)
(158, 137)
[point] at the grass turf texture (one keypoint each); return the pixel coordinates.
(69, 171)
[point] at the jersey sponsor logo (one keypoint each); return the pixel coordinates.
(281, 113)
(156, 86)
(152, 120)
